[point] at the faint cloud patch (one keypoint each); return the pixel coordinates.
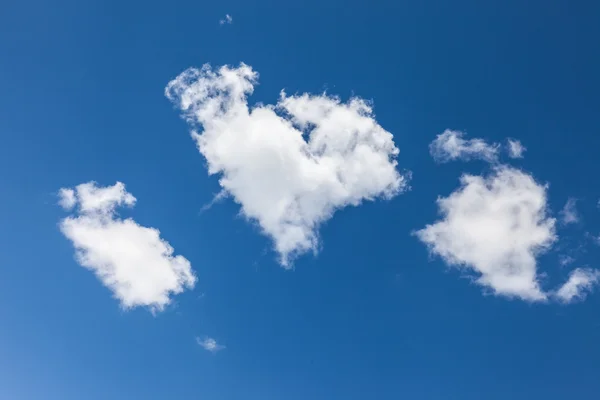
(209, 344)
(565, 260)
(226, 20)
(451, 145)
(569, 214)
(219, 197)
(580, 283)
(515, 148)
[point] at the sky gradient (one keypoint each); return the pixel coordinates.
(423, 224)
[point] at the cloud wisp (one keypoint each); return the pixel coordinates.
(133, 261)
(451, 145)
(515, 148)
(569, 214)
(581, 281)
(209, 344)
(226, 20)
(290, 165)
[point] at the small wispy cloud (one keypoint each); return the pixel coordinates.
(227, 20)
(581, 281)
(565, 260)
(219, 197)
(569, 214)
(515, 148)
(209, 344)
(451, 145)
(67, 198)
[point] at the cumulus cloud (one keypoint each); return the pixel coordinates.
(569, 214)
(131, 260)
(580, 282)
(209, 344)
(291, 165)
(515, 149)
(227, 20)
(451, 145)
(495, 226)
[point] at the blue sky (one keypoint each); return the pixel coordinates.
(469, 309)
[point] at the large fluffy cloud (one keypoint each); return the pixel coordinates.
(291, 165)
(451, 145)
(132, 260)
(495, 226)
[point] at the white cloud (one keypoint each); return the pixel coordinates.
(227, 20)
(291, 165)
(450, 145)
(515, 149)
(495, 226)
(209, 344)
(219, 197)
(67, 199)
(580, 282)
(568, 214)
(131, 260)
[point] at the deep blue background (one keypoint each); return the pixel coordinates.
(372, 317)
